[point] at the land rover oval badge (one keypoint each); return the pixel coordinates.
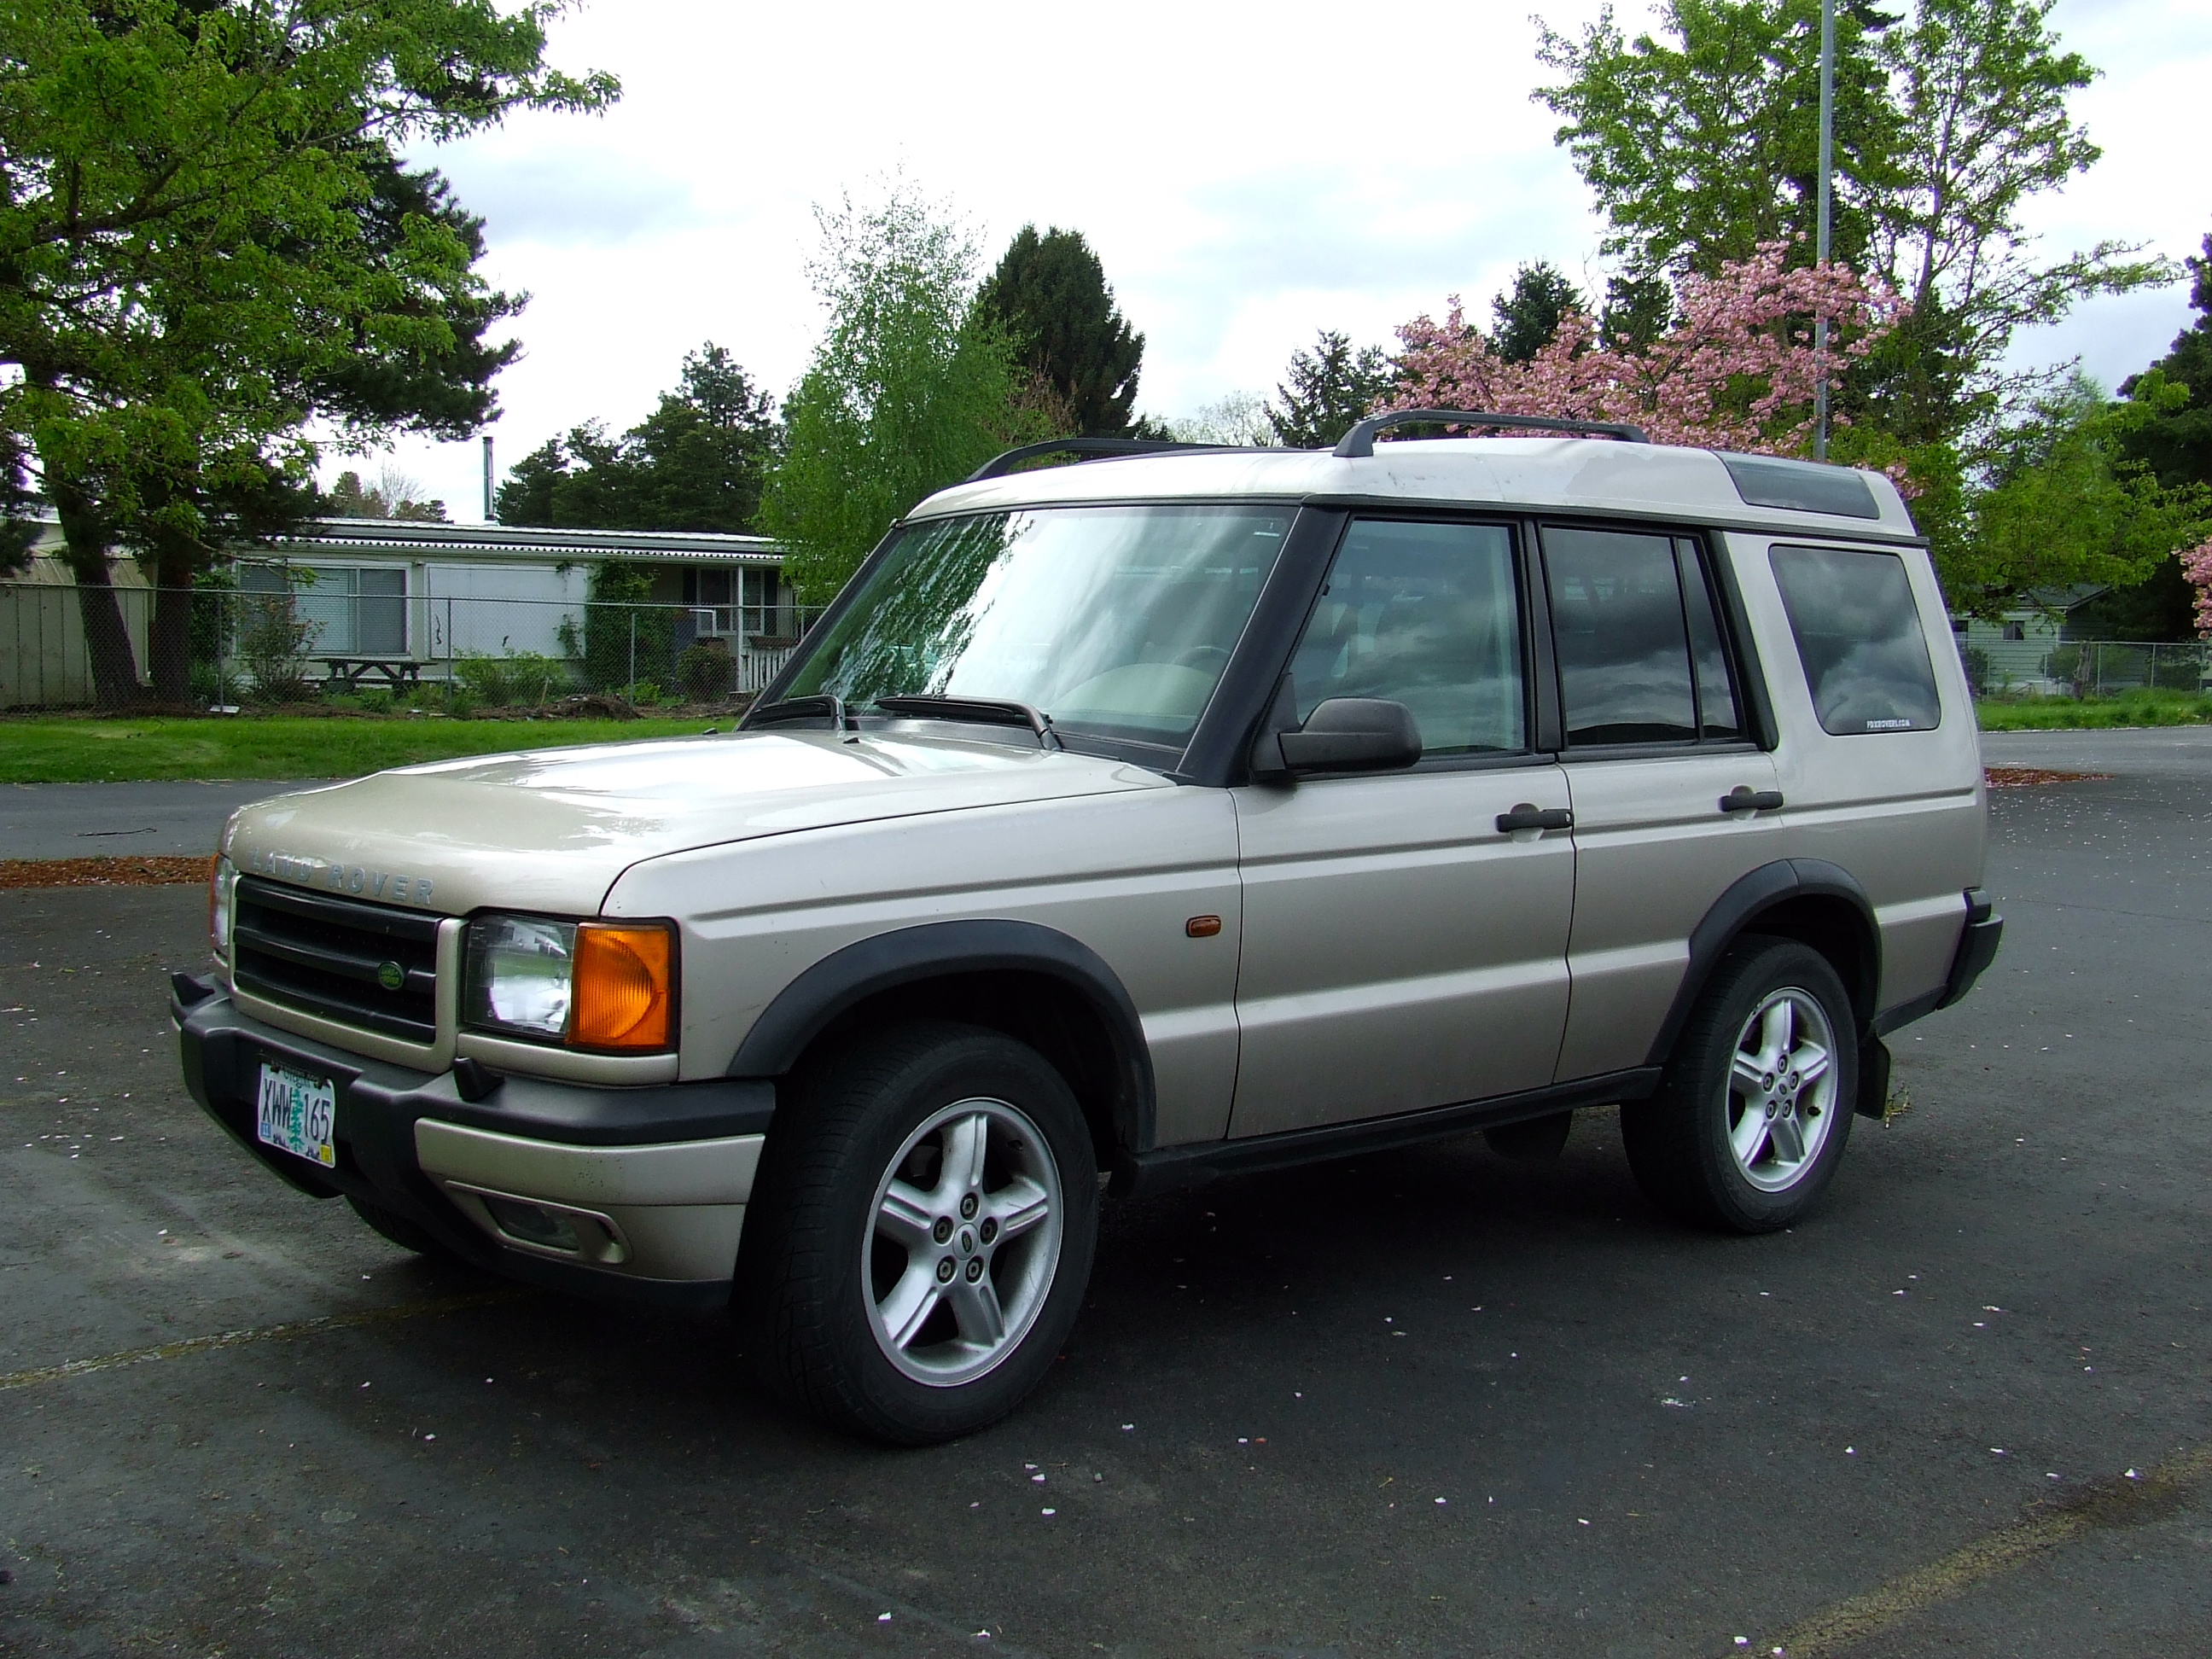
(391, 975)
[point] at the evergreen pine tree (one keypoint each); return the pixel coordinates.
(1328, 389)
(1529, 315)
(1050, 296)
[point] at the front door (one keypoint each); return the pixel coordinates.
(1401, 949)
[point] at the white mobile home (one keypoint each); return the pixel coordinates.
(405, 599)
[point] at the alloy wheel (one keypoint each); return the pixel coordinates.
(963, 1240)
(1781, 1090)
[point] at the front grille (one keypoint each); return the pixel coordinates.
(323, 955)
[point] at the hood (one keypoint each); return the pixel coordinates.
(550, 830)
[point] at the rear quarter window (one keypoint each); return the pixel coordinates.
(1859, 638)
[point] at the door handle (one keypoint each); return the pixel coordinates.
(1528, 817)
(1745, 799)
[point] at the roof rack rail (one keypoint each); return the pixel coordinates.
(1360, 443)
(998, 465)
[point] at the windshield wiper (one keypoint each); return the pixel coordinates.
(982, 711)
(789, 710)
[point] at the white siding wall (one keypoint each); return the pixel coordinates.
(492, 610)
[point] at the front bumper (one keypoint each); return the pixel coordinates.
(645, 1189)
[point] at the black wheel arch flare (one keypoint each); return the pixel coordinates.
(1808, 899)
(945, 950)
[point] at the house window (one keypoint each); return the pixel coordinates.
(762, 613)
(2015, 630)
(350, 612)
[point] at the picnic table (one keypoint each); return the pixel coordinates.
(396, 672)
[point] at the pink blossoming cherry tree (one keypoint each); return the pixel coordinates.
(2196, 565)
(1737, 372)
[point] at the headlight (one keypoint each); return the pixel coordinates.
(222, 879)
(589, 985)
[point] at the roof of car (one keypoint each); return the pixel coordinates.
(1582, 475)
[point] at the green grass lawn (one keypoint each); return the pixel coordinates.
(94, 750)
(2066, 714)
(85, 749)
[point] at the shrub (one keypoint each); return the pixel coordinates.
(212, 684)
(1976, 661)
(273, 640)
(519, 677)
(705, 672)
(2180, 669)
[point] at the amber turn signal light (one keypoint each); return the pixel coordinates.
(624, 988)
(1203, 927)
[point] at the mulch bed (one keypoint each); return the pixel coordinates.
(2028, 777)
(104, 872)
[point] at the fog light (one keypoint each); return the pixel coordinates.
(533, 1225)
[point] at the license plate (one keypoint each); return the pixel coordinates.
(297, 1112)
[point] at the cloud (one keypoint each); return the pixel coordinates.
(565, 191)
(1249, 170)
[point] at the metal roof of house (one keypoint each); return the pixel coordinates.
(421, 538)
(430, 538)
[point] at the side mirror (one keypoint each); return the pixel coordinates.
(1354, 734)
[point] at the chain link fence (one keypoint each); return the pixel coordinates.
(224, 646)
(2084, 668)
(229, 646)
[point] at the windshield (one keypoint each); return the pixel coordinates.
(1113, 620)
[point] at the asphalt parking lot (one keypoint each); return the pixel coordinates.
(1432, 1403)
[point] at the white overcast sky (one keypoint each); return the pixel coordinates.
(1248, 173)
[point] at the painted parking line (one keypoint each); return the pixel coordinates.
(2122, 1502)
(298, 1328)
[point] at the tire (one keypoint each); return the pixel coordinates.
(398, 1229)
(881, 1253)
(1730, 1142)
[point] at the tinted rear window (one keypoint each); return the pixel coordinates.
(1802, 486)
(1618, 633)
(1858, 636)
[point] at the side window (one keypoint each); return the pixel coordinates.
(1858, 636)
(1621, 636)
(1718, 719)
(1427, 615)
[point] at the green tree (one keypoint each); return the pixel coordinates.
(699, 461)
(912, 387)
(1529, 313)
(1638, 311)
(1239, 419)
(1327, 390)
(1702, 140)
(1050, 297)
(18, 528)
(393, 495)
(206, 243)
(2064, 504)
(2176, 442)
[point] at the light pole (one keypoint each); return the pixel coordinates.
(1821, 220)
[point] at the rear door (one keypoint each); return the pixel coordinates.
(1883, 763)
(1672, 800)
(1401, 949)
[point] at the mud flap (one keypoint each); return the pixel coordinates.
(1874, 1078)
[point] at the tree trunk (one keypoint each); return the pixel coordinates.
(169, 645)
(106, 640)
